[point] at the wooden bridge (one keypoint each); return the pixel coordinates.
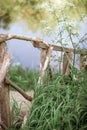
(5, 60)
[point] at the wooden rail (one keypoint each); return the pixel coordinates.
(39, 43)
(46, 51)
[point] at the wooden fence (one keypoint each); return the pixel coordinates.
(5, 60)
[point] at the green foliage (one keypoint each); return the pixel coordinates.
(16, 119)
(56, 105)
(15, 111)
(60, 104)
(59, 107)
(24, 78)
(6, 12)
(33, 11)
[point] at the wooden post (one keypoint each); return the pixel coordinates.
(0, 118)
(67, 61)
(4, 90)
(44, 62)
(5, 105)
(50, 72)
(83, 59)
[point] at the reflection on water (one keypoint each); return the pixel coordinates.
(23, 51)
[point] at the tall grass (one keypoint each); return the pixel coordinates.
(15, 115)
(59, 107)
(57, 104)
(25, 78)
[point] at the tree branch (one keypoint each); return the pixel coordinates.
(9, 82)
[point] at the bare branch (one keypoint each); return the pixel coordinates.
(9, 82)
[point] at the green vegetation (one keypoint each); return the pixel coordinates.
(34, 11)
(24, 78)
(56, 106)
(60, 104)
(15, 112)
(59, 107)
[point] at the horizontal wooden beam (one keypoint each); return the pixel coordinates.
(39, 43)
(58, 48)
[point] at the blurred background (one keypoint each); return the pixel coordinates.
(60, 22)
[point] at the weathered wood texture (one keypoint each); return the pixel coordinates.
(83, 61)
(0, 119)
(44, 62)
(39, 43)
(46, 50)
(67, 61)
(9, 82)
(4, 91)
(4, 66)
(5, 105)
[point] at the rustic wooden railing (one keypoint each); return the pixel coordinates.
(5, 59)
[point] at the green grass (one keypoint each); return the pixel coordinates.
(56, 105)
(24, 78)
(59, 107)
